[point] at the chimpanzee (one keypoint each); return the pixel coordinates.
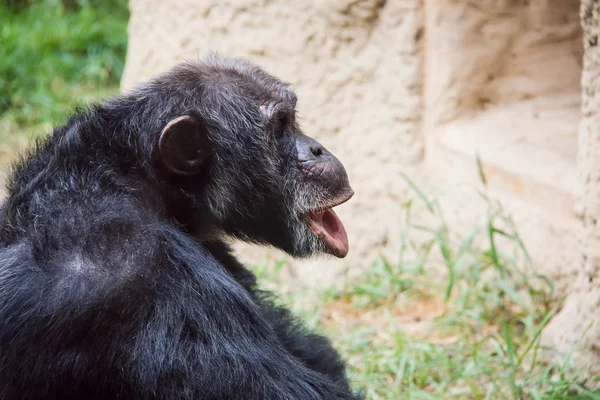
(116, 279)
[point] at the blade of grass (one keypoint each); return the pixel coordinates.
(537, 334)
(511, 353)
(480, 170)
(419, 193)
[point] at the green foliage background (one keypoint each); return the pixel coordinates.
(55, 54)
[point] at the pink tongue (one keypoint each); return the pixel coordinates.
(329, 227)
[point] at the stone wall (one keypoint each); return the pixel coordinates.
(502, 80)
(577, 326)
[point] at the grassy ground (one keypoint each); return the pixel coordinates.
(407, 333)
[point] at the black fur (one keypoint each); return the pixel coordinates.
(115, 280)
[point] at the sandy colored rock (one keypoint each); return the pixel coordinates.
(503, 81)
(577, 326)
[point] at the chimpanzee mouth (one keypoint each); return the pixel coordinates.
(328, 227)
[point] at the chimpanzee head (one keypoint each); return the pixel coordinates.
(231, 143)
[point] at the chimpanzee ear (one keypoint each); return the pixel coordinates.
(184, 145)
(271, 110)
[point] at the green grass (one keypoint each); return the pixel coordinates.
(55, 55)
(457, 318)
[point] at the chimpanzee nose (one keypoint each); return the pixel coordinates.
(309, 149)
(316, 150)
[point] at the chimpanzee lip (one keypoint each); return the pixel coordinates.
(327, 226)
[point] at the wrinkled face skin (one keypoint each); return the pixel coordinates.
(317, 182)
(255, 175)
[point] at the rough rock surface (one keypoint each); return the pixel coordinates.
(577, 326)
(502, 80)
